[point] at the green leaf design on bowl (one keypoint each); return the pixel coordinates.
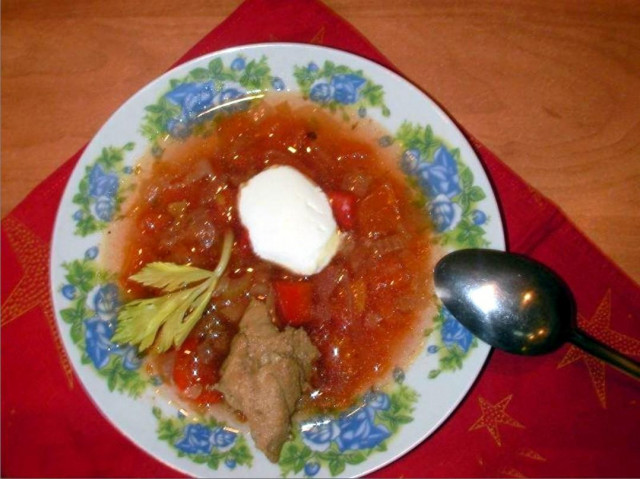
(200, 95)
(206, 441)
(340, 88)
(93, 303)
(100, 194)
(333, 442)
(449, 194)
(450, 342)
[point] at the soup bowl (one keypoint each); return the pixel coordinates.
(433, 155)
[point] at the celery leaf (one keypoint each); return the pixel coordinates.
(167, 320)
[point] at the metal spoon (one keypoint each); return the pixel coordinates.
(516, 304)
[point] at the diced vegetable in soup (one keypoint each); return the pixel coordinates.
(362, 311)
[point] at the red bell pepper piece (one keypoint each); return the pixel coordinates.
(294, 300)
(343, 205)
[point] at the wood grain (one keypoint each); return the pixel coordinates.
(552, 87)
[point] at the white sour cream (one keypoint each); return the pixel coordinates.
(289, 219)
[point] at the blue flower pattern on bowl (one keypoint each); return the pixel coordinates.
(98, 335)
(103, 208)
(440, 180)
(321, 434)
(354, 430)
(207, 441)
(343, 89)
(92, 315)
(439, 177)
(351, 436)
(196, 440)
(359, 431)
(338, 86)
(311, 468)
(101, 183)
(223, 438)
(69, 291)
(450, 196)
(378, 401)
(433, 349)
(445, 213)
(131, 360)
(347, 88)
(203, 93)
(450, 341)
(91, 253)
(229, 93)
(320, 92)
(193, 98)
(455, 334)
(104, 301)
(99, 329)
(197, 102)
(278, 84)
(478, 217)
(99, 196)
(238, 63)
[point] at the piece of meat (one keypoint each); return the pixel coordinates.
(265, 374)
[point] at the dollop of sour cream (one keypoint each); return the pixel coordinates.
(289, 220)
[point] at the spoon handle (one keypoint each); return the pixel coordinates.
(604, 352)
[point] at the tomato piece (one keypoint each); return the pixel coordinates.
(210, 396)
(185, 366)
(294, 300)
(343, 205)
(190, 368)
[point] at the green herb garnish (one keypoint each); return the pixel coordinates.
(178, 311)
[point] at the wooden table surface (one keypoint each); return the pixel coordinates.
(551, 86)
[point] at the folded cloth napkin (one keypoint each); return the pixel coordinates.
(565, 414)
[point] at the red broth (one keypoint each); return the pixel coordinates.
(363, 312)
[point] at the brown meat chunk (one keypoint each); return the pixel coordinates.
(264, 376)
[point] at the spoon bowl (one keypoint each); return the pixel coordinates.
(515, 304)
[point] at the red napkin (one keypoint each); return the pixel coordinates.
(565, 414)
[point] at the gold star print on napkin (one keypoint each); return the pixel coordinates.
(599, 326)
(494, 415)
(32, 289)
